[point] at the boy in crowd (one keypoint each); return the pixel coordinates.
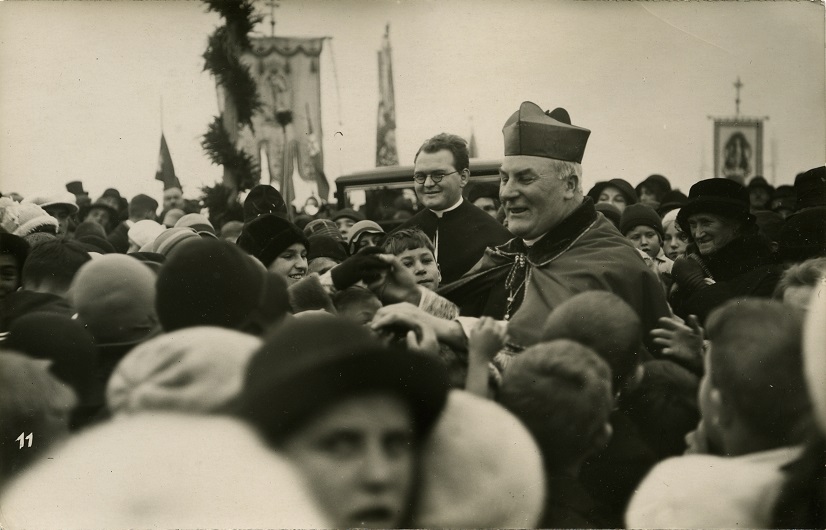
(416, 252)
(356, 304)
(644, 228)
(755, 411)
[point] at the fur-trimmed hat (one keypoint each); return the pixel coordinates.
(640, 214)
(719, 196)
(24, 218)
(268, 235)
(533, 132)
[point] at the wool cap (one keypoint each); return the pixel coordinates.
(262, 199)
(640, 214)
(811, 188)
(14, 246)
(93, 243)
(143, 202)
(718, 196)
(114, 296)
(65, 343)
(211, 282)
(610, 211)
(24, 218)
(622, 185)
(480, 468)
(172, 239)
(323, 227)
(530, 131)
(322, 246)
(348, 213)
(89, 228)
(309, 363)
(268, 235)
(803, 235)
(759, 182)
(162, 470)
(145, 231)
(60, 198)
(36, 238)
(672, 200)
(199, 369)
(658, 184)
(197, 222)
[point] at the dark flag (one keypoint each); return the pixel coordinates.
(314, 149)
(166, 171)
(386, 153)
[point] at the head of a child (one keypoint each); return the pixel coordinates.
(416, 252)
(753, 394)
(356, 304)
(616, 335)
(561, 391)
(643, 227)
(51, 266)
(799, 280)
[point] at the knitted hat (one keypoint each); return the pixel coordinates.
(640, 214)
(621, 184)
(348, 213)
(717, 196)
(64, 199)
(197, 222)
(657, 184)
(162, 470)
(36, 238)
(114, 296)
(610, 211)
(803, 235)
(24, 218)
(263, 199)
(811, 188)
(213, 283)
(65, 343)
(14, 246)
(89, 228)
(480, 469)
(322, 246)
(173, 238)
(309, 363)
(268, 235)
(198, 370)
(324, 227)
(530, 131)
(671, 201)
(144, 232)
(93, 243)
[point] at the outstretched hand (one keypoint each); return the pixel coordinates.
(486, 339)
(681, 340)
(396, 283)
(418, 327)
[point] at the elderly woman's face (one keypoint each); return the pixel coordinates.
(358, 458)
(711, 232)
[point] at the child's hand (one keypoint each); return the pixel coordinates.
(486, 339)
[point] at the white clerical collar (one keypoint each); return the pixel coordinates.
(440, 213)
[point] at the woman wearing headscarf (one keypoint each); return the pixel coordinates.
(725, 257)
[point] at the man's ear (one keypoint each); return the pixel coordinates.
(464, 175)
(571, 185)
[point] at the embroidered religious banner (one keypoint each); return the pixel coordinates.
(738, 148)
(285, 140)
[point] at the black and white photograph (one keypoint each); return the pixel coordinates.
(412, 264)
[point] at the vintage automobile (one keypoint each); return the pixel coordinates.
(386, 194)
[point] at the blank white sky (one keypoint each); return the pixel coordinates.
(80, 82)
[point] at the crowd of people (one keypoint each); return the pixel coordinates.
(538, 356)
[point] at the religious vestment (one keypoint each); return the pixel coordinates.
(460, 236)
(584, 252)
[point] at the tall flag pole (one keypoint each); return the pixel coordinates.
(386, 153)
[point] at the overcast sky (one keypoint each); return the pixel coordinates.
(81, 83)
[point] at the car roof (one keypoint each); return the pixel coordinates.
(391, 173)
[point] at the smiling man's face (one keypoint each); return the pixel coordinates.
(444, 194)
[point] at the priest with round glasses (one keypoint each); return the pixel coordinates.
(460, 231)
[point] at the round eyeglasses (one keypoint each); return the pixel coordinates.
(436, 176)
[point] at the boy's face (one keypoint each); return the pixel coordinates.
(423, 265)
(646, 239)
(9, 277)
(361, 312)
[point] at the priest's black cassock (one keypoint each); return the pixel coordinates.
(460, 236)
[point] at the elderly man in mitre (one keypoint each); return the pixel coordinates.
(563, 246)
